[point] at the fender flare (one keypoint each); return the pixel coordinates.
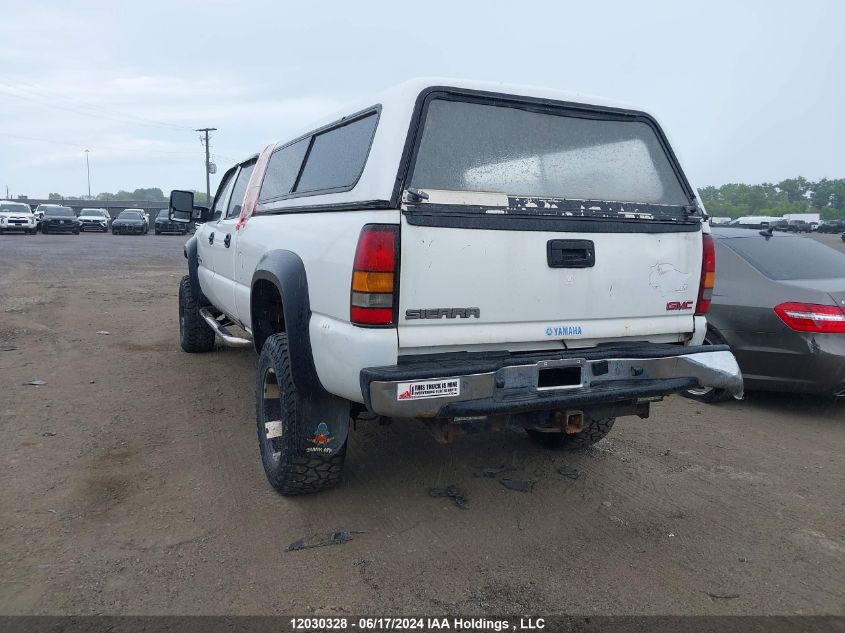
(286, 271)
(193, 269)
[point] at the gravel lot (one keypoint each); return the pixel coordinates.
(132, 482)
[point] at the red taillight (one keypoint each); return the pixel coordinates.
(811, 317)
(708, 274)
(374, 298)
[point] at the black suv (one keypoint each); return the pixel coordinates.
(58, 219)
(163, 224)
(832, 226)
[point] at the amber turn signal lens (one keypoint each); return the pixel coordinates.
(372, 282)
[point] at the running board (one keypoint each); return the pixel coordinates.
(221, 331)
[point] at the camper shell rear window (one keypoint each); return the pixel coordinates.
(549, 160)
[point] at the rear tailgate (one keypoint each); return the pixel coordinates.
(503, 289)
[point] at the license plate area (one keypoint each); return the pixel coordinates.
(543, 376)
(559, 377)
(560, 374)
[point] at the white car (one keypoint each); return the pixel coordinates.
(94, 220)
(17, 216)
(458, 252)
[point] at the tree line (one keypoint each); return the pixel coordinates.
(151, 194)
(793, 195)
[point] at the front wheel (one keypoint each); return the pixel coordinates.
(290, 468)
(195, 335)
(595, 429)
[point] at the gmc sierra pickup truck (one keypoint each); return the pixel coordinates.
(459, 252)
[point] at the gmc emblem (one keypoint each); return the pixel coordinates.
(676, 306)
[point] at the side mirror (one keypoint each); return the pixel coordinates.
(181, 206)
(201, 214)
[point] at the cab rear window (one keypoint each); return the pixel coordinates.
(788, 258)
(337, 156)
(327, 161)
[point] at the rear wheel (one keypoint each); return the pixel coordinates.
(289, 469)
(595, 429)
(195, 335)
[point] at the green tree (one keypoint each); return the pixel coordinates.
(793, 195)
(153, 194)
(200, 198)
(55, 196)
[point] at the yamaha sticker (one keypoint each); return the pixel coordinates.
(564, 330)
(428, 389)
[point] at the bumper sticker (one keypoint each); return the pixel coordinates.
(428, 389)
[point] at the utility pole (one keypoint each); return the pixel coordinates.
(206, 130)
(88, 171)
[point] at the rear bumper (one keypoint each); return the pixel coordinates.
(458, 387)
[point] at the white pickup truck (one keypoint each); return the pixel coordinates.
(460, 252)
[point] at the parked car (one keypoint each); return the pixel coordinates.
(749, 223)
(39, 214)
(779, 303)
(163, 224)
(94, 220)
(17, 216)
(780, 225)
(798, 226)
(832, 226)
(755, 221)
(129, 222)
(58, 219)
(448, 252)
(144, 215)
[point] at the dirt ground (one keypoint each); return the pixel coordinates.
(131, 483)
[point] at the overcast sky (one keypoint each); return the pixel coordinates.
(748, 91)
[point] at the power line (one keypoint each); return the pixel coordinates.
(34, 88)
(82, 146)
(97, 112)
